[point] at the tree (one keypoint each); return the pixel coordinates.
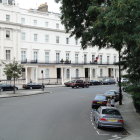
(13, 71)
(104, 23)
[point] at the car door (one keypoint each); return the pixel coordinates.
(97, 115)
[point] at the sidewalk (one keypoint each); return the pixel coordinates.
(23, 92)
(132, 119)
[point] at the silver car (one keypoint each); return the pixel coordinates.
(106, 116)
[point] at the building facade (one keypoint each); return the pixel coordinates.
(38, 41)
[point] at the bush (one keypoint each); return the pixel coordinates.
(135, 91)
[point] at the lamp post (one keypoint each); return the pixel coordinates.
(120, 84)
(42, 80)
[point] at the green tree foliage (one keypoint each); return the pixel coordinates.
(13, 71)
(106, 23)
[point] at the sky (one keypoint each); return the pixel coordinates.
(27, 4)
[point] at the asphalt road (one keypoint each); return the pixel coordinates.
(63, 114)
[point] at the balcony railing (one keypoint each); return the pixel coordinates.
(67, 62)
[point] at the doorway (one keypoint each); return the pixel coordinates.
(58, 73)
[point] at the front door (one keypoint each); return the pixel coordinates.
(58, 73)
(86, 73)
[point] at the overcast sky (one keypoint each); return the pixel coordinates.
(27, 4)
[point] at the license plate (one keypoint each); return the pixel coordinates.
(111, 120)
(99, 102)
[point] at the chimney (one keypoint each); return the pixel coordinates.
(43, 7)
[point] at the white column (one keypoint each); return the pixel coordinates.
(37, 75)
(70, 73)
(26, 74)
(90, 76)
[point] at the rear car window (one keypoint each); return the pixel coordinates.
(100, 98)
(110, 112)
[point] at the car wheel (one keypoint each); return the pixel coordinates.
(87, 86)
(72, 87)
(31, 88)
(98, 125)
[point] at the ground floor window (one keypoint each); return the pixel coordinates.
(47, 71)
(101, 72)
(77, 73)
(68, 73)
(93, 73)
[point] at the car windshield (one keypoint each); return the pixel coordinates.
(110, 112)
(100, 98)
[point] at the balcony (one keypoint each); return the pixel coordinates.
(63, 62)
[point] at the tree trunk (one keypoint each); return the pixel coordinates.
(14, 86)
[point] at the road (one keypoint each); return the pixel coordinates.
(63, 114)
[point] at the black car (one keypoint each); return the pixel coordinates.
(108, 81)
(94, 82)
(99, 100)
(7, 87)
(33, 86)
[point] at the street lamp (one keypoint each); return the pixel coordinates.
(42, 80)
(120, 84)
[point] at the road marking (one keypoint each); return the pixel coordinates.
(115, 137)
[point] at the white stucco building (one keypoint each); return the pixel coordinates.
(38, 41)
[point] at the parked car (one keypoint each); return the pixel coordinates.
(112, 93)
(79, 83)
(33, 86)
(99, 100)
(94, 82)
(108, 81)
(7, 87)
(108, 117)
(124, 80)
(68, 84)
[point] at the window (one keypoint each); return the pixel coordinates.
(57, 57)
(76, 58)
(46, 24)
(23, 56)
(76, 41)
(114, 59)
(93, 73)
(57, 26)
(7, 17)
(47, 71)
(77, 73)
(85, 58)
(67, 40)
(68, 73)
(93, 58)
(57, 39)
(22, 20)
(108, 59)
(35, 37)
(23, 35)
(8, 54)
(7, 34)
(35, 22)
(46, 38)
(101, 72)
(35, 56)
(101, 59)
(47, 57)
(67, 56)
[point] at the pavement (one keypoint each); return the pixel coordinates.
(127, 109)
(131, 117)
(23, 92)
